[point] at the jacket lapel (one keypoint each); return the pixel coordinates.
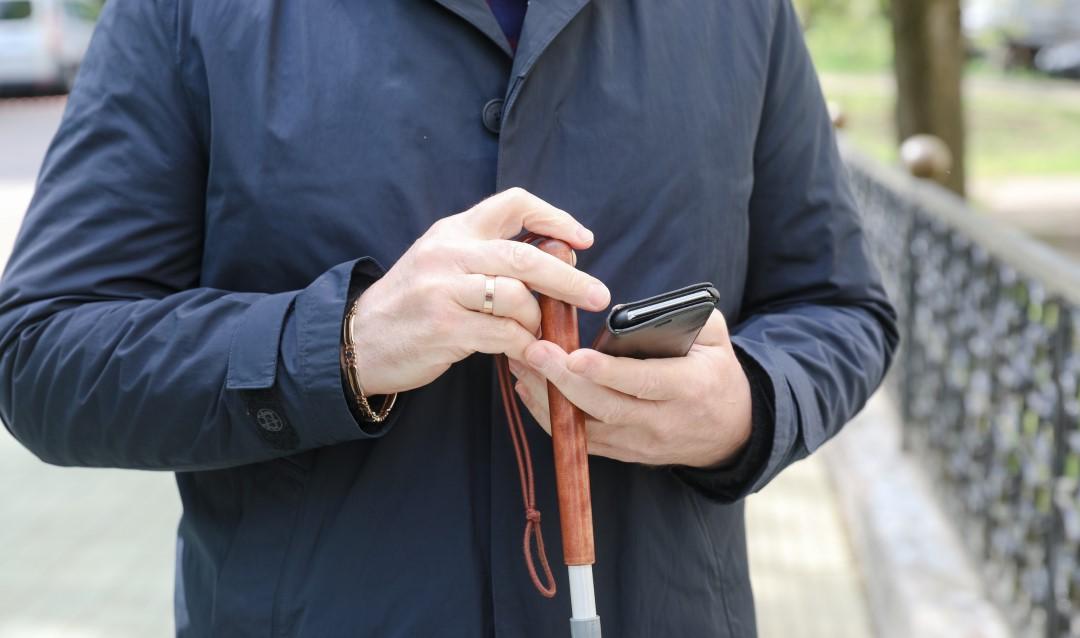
(478, 14)
(544, 20)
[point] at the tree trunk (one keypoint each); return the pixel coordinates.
(929, 60)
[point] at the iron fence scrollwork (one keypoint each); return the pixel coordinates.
(988, 379)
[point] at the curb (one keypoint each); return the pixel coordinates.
(918, 577)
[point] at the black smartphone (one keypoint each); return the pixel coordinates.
(665, 325)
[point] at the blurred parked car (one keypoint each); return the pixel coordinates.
(42, 42)
(1024, 27)
(1061, 60)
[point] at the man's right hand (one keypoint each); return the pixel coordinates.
(426, 312)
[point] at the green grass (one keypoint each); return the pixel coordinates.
(1011, 131)
(1025, 133)
(1018, 124)
(850, 43)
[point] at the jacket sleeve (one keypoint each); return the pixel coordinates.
(815, 317)
(111, 354)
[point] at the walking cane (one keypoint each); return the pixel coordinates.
(558, 324)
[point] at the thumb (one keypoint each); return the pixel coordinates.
(715, 332)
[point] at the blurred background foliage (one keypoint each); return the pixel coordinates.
(1019, 122)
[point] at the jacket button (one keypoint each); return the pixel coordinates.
(492, 115)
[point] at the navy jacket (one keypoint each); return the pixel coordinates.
(228, 171)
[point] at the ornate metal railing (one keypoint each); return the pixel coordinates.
(988, 380)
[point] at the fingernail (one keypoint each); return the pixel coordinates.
(598, 295)
(584, 234)
(537, 357)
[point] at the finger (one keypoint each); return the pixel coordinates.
(505, 214)
(523, 371)
(622, 443)
(542, 272)
(715, 332)
(649, 379)
(532, 380)
(511, 299)
(536, 403)
(532, 388)
(478, 332)
(602, 403)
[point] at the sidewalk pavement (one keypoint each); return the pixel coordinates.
(806, 580)
(1046, 208)
(922, 579)
(84, 553)
(88, 553)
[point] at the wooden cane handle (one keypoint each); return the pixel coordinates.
(558, 323)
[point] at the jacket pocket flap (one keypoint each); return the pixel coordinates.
(253, 354)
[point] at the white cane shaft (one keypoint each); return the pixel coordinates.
(582, 595)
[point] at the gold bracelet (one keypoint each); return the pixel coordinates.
(352, 375)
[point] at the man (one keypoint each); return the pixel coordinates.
(232, 178)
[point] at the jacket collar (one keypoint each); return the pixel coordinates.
(478, 14)
(544, 20)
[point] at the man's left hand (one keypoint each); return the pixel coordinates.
(692, 410)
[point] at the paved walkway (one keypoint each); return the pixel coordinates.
(84, 553)
(1047, 208)
(89, 553)
(806, 581)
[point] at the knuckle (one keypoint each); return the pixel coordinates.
(430, 291)
(440, 225)
(576, 283)
(427, 253)
(509, 333)
(525, 341)
(516, 195)
(658, 439)
(598, 369)
(557, 376)
(648, 384)
(448, 225)
(442, 319)
(517, 291)
(523, 306)
(532, 318)
(520, 257)
(504, 331)
(560, 376)
(612, 413)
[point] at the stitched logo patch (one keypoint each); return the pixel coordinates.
(265, 411)
(269, 420)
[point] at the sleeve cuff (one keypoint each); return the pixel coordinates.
(320, 310)
(300, 332)
(730, 481)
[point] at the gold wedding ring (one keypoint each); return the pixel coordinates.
(489, 294)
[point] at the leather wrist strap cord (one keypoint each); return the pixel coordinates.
(525, 471)
(528, 484)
